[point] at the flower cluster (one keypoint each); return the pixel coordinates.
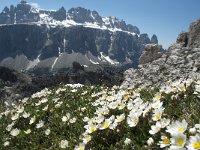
(81, 117)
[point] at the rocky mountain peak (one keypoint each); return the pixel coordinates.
(23, 2)
(60, 14)
(154, 39)
(132, 28)
(82, 15)
(180, 61)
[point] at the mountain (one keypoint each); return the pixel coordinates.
(180, 61)
(32, 38)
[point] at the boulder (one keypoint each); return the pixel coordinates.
(182, 39)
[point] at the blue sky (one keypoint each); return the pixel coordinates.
(165, 18)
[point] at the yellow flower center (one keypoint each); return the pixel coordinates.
(120, 119)
(179, 142)
(166, 141)
(158, 116)
(88, 139)
(180, 129)
(158, 97)
(106, 125)
(156, 105)
(126, 97)
(81, 148)
(182, 88)
(135, 121)
(92, 129)
(196, 145)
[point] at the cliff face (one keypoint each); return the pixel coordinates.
(31, 38)
(180, 61)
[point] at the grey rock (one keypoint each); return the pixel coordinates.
(151, 52)
(182, 39)
(194, 35)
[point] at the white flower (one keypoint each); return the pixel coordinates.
(164, 122)
(74, 90)
(44, 100)
(102, 111)
(121, 105)
(7, 143)
(32, 120)
(99, 119)
(113, 125)
(15, 117)
(58, 105)
(177, 127)
(9, 127)
(90, 128)
(83, 109)
(20, 109)
(157, 104)
(194, 142)
(86, 119)
(106, 124)
(155, 128)
(113, 105)
(120, 118)
(27, 131)
(192, 130)
(80, 147)
(130, 105)
(150, 141)
(147, 109)
(86, 139)
(127, 141)
(197, 126)
(165, 142)
(15, 132)
(73, 120)
(132, 120)
(26, 115)
(178, 141)
(46, 108)
(40, 124)
(157, 97)
(47, 131)
(64, 144)
(157, 114)
(65, 118)
(38, 104)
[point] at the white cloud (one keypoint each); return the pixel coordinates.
(35, 5)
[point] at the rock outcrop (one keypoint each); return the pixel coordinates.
(181, 60)
(151, 52)
(194, 35)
